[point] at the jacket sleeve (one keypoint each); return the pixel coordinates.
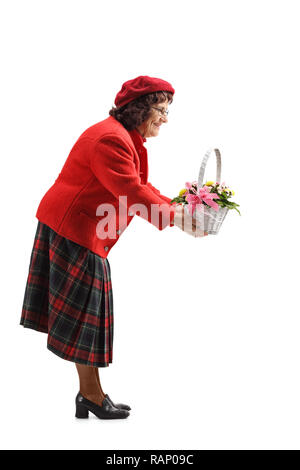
(165, 198)
(113, 165)
(156, 191)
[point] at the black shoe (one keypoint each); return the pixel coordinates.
(106, 411)
(118, 405)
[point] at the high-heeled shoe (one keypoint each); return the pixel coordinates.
(118, 405)
(106, 411)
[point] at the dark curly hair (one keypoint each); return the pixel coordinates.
(137, 111)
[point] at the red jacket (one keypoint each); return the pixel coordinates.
(106, 162)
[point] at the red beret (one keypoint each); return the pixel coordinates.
(139, 86)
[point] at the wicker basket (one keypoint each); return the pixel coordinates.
(209, 219)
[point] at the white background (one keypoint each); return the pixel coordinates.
(206, 345)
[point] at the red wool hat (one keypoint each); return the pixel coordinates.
(139, 86)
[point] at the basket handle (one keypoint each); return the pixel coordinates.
(203, 166)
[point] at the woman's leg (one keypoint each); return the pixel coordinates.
(90, 387)
(98, 379)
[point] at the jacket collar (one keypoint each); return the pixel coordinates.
(137, 139)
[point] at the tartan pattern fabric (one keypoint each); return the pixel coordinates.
(69, 296)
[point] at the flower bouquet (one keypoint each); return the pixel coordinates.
(208, 203)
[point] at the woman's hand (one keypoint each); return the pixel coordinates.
(187, 223)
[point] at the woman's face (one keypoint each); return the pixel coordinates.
(150, 127)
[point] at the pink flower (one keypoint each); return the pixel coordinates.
(195, 201)
(190, 187)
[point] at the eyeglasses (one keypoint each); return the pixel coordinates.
(162, 112)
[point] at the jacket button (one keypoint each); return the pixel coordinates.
(119, 231)
(106, 248)
(130, 213)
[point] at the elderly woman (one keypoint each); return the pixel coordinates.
(102, 185)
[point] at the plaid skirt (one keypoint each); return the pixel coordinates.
(68, 295)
